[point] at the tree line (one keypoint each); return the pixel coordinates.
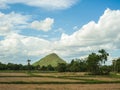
(94, 64)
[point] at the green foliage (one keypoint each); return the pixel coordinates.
(105, 70)
(61, 67)
(50, 68)
(83, 65)
(74, 66)
(43, 68)
(3, 66)
(77, 65)
(11, 66)
(103, 55)
(94, 62)
(51, 59)
(116, 65)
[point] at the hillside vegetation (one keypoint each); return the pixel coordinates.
(51, 59)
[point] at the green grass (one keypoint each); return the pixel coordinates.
(51, 59)
(114, 75)
(87, 82)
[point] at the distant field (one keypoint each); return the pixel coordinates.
(59, 81)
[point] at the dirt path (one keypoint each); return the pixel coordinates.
(60, 87)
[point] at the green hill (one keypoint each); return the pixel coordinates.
(51, 59)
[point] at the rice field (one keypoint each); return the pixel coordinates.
(57, 81)
(35, 79)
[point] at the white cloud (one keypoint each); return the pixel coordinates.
(14, 22)
(11, 22)
(15, 46)
(28, 45)
(100, 33)
(3, 4)
(44, 25)
(46, 4)
(93, 36)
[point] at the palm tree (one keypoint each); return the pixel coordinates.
(28, 64)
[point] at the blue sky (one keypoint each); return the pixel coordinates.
(71, 28)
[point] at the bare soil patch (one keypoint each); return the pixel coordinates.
(60, 87)
(35, 79)
(13, 74)
(61, 74)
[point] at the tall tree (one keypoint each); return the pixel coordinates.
(94, 61)
(103, 56)
(29, 67)
(116, 65)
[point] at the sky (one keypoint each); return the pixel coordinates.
(31, 29)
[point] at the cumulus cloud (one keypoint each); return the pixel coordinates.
(11, 22)
(44, 25)
(15, 46)
(14, 22)
(46, 4)
(104, 34)
(93, 36)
